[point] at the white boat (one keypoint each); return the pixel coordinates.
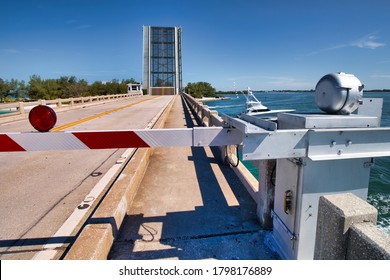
(254, 107)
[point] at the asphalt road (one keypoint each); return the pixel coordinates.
(40, 190)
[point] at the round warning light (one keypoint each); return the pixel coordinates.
(42, 118)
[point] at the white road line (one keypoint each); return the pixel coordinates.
(49, 249)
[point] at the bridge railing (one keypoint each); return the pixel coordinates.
(209, 117)
(18, 110)
(22, 107)
(346, 229)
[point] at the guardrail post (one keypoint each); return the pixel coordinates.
(71, 101)
(367, 242)
(42, 102)
(336, 214)
(204, 117)
(59, 103)
(21, 108)
(213, 114)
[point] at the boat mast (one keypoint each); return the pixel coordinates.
(250, 95)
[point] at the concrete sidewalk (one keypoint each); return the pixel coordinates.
(189, 206)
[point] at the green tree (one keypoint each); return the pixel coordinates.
(5, 89)
(18, 88)
(63, 87)
(116, 87)
(113, 87)
(200, 89)
(43, 89)
(72, 87)
(129, 81)
(97, 88)
(13, 88)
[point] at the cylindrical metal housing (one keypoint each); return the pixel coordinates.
(339, 93)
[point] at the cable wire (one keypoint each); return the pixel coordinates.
(229, 160)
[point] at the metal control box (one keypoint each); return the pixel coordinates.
(301, 181)
(299, 185)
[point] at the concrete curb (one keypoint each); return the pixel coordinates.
(97, 237)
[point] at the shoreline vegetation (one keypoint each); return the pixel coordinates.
(207, 99)
(64, 87)
(70, 86)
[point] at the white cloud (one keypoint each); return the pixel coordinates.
(331, 48)
(270, 82)
(289, 83)
(368, 42)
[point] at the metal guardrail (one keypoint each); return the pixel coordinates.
(211, 118)
(208, 117)
(22, 107)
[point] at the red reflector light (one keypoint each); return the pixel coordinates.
(42, 118)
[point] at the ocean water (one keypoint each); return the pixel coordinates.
(6, 112)
(303, 102)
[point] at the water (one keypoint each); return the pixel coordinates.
(303, 102)
(6, 112)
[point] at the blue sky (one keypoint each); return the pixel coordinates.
(263, 44)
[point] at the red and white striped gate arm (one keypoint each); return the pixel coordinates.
(141, 138)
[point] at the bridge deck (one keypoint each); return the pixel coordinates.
(41, 191)
(189, 206)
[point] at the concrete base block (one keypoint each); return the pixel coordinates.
(367, 242)
(336, 214)
(93, 243)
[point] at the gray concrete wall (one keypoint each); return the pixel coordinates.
(346, 230)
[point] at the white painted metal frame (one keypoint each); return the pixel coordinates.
(177, 60)
(316, 144)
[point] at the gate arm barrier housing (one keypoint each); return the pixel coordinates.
(257, 143)
(141, 138)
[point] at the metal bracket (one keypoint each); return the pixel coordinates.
(316, 144)
(297, 161)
